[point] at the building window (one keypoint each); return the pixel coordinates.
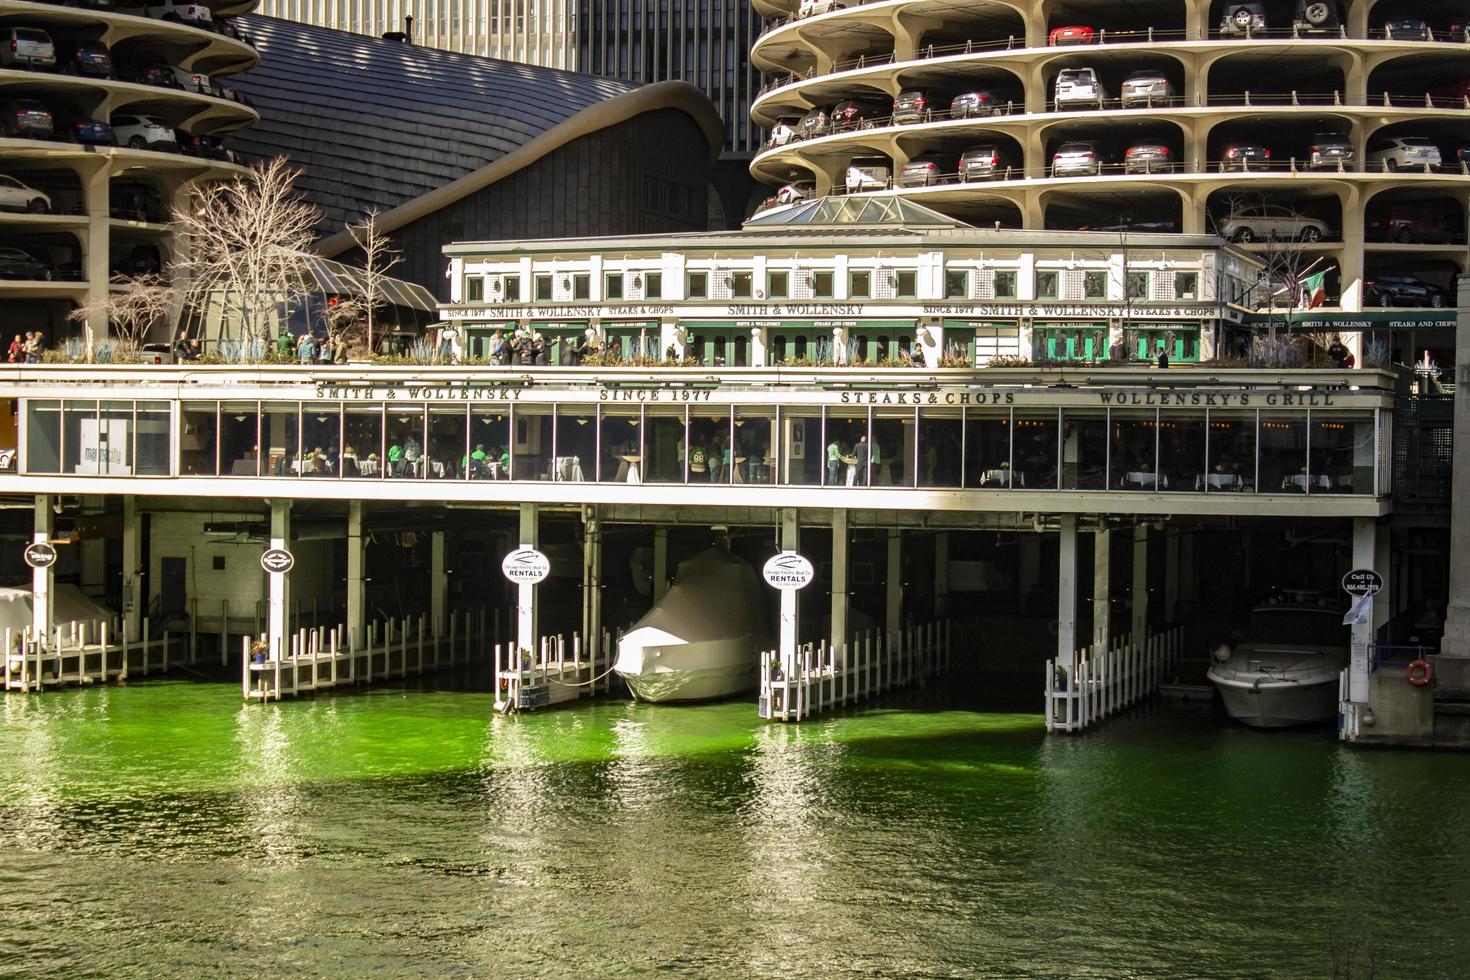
(1186, 285)
(543, 287)
(474, 290)
(653, 285)
(1138, 285)
(822, 284)
(512, 289)
(778, 285)
(1005, 284)
(613, 286)
(860, 285)
(908, 284)
(956, 284)
(582, 286)
(740, 285)
(1095, 284)
(1047, 283)
(698, 285)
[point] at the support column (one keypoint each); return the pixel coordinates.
(42, 578)
(1102, 580)
(356, 559)
(893, 616)
(592, 576)
(790, 541)
(660, 562)
(526, 591)
(279, 587)
(1028, 570)
(1067, 595)
(93, 552)
(941, 574)
(1172, 582)
(438, 585)
(838, 624)
(133, 603)
(1139, 624)
(1383, 603)
(1456, 641)
(1365, 548)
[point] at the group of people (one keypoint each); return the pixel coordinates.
(719, 460)
(309, 348)
(528, 347)
(27, 349)
(860, 458)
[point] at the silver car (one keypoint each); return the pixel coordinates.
(1077, 159)
(1402, 153)
(15, 196)
(1271, 222)
(1146, 88)
(26, 47)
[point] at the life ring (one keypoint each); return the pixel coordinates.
(1419, 673)
(505, 684)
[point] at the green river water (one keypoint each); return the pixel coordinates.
(165, 829)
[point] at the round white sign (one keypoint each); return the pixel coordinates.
(788, 570)
(526, 566)
(277, 560)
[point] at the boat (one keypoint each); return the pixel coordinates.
(1283, 668)
(703, 639)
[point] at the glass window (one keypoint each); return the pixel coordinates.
(153, 442)
(239, 438)
(802, 454)
(1048, 283)
(576, 443)
(741, 285)
(447, 446)
(79, 437)
(940, 449)
(1005, 284)
(1135, 464)
(664, 443)
(653, 285)
(582, 286)
(474, 289)
(822, 284)
(621, 458)
(1182, 450)
(907, 284)
(543, 287)
(1085, 449)
(613, 286)
(321, 442)
(709, 435)
(362, 441)
(753, 455)
(1095, 284)
(43, 436)
(1186, 285)
(279, 427)
(1283, 453)
(405, 431)
(891, 452)
(512, 289)
(110, 445)
(699, 285)
(1342, 452)
(198, 442)
(1138, 285)
(1231, 453)
(988, 450)
(1034, 452)
(848, 428)
(860, 284)
(489, 444)
(778, 285)
(956, 284)
(533, 444)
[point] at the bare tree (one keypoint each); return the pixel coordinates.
(245, 239)
(132, 306)
(1288, 261)
(378, 257)
(345, 324)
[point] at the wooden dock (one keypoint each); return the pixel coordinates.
(822, 677)
(88, 652)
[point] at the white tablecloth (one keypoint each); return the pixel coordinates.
(1005, 478)
(1319, 481)
(1219, 481)
(1144, 479)
(567, 468)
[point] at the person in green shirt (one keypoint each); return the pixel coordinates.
(395, 460)
(285, 346)
(505, 463)
(834, 462)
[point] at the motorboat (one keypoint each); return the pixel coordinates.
(703, 639)
(1283, 668)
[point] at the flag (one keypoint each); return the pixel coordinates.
(1361, 612)
(1314, 290)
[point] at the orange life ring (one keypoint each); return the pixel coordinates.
(1419, 673)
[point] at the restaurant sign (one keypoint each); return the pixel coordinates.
(1318, 322)
(1077, 311)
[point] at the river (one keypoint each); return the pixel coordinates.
(166, 829)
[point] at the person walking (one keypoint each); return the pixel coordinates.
(1163, 355)
(834, 461)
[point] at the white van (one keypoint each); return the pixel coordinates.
(1079, 88)
(868, 174)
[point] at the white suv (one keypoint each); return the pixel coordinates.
(1270, 221)
(26, 47)
(1079, 88)
(15, 196)
(189, 13)
(1401, 152)
(143, 133)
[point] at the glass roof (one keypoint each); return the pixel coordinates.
(873, 212)
(334, 278)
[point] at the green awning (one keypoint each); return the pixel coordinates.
(1317, 321)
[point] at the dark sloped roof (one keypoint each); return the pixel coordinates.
(377, 123)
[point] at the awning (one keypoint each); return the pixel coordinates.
(559, 326)
(336, 279)
(855, 323)
(981, 325)
(1319, 321)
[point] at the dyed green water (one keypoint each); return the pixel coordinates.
(165, 829)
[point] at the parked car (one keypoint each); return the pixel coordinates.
(194, 81)
(1462, 155)
(858, 114)
(1331, 151)
(1079, 88)
(1318, 17)
(1242, 18)
(1245, 156)
(135, 202)
(26, 118)
(811, 8)
(1407, 223)
(784, 131)
(787, 196)
(917, 104)
(981, 102)
(88, 131)
(188, 13)
(160, 75)
(1079, 158)
(984, 162)
(1146, 88)
(1402, 152)
(1148, 157)
(90, 58)
(143, 132)
(1061, 36)
(203, 146)
(139, 260)
(1407, 29)
(928, 169)
(814, 123)
(15, 196)
(26, 47)
(1404, 291)
(1271, 222)
(17, 263)
(868, 174)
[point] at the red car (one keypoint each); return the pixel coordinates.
(1071, 35)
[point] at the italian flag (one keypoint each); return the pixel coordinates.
(1314, 292)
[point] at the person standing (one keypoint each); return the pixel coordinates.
(716, 458)
(834, 461)
(860, 452)
(1163, 355)
(17, 353)
(33, 347)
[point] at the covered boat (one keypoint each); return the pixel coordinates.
(1283, 668)
(702, 640)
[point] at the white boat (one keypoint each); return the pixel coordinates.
(703, 639)
(1283, 668)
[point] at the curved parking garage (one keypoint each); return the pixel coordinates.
(1157, 113)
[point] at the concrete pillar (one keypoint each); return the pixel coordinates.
(790, 610)
(42, 578)
(96, 191)
(526, 592)
(1067, 595)
(133, 602)
(1139, 624)
(1028, 562)
(839, 578)
(893, 615)
(438, 585)
(1365, 555)
(1171, 578)
(1102, 564)
(1350, 270)
(592, 576)
(941, 574)
(660, 562)
(93, 551)
(1456, 641)
(356, 559)
(280, 595)
(1383, 603)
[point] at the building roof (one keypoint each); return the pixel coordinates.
(853, 213)
(377, 123)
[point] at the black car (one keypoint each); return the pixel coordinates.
(1404, 291)
(90, 58)
(134, 202)
(858, 114)
(17, 263)
(139, 260)
(919, 104)
(1318, 17)
(26, 118)
(161, 75)
(204, 146)
(1247, 156)
(814, 123)
(1407, 29)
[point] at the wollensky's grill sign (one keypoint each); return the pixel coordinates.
(788, 570)
(526, 566)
